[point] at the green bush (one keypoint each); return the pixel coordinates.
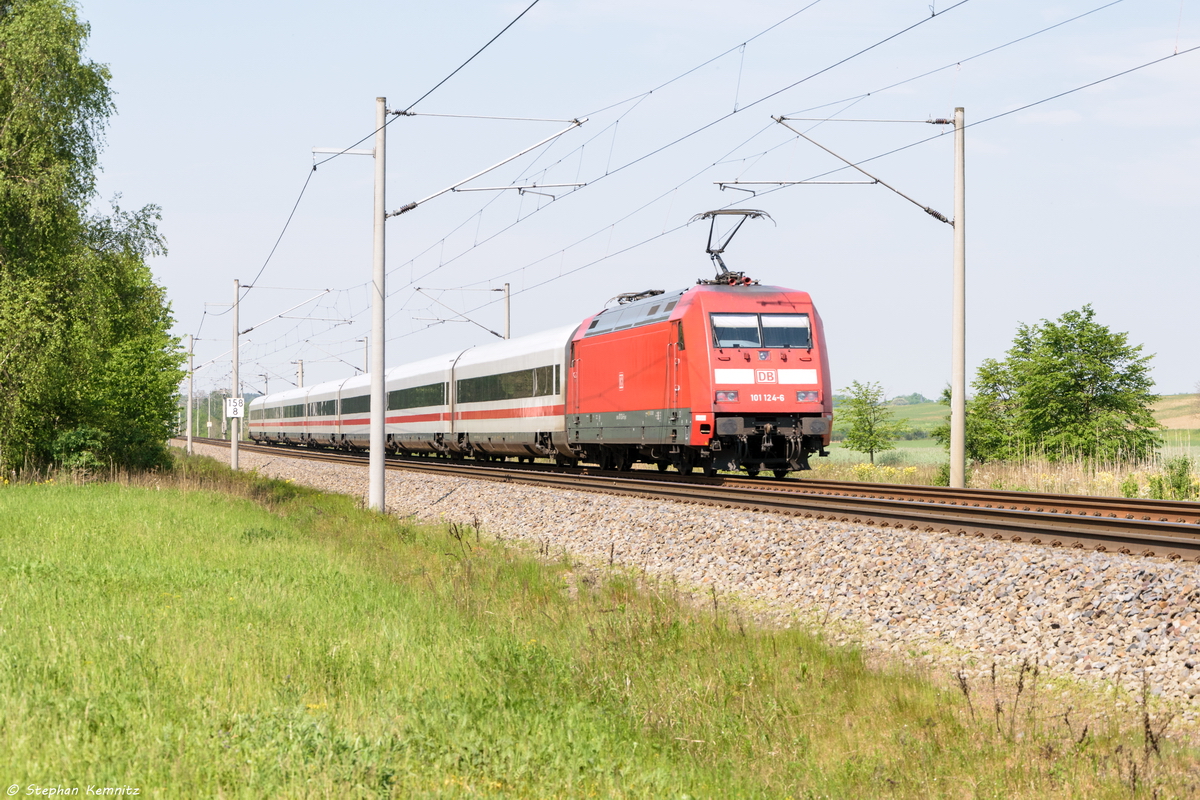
(1179, 478)
(78, 450)
(1158, 487)
(942, 478)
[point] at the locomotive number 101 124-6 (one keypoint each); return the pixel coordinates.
(767, 398)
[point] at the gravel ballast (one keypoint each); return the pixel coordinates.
(944, 599)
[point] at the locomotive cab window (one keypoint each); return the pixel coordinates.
(786, 330)
(761, 330)
(736, 330)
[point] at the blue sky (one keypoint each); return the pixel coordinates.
(1089, 198)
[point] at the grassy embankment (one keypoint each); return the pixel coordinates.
(916, 461)
(205, 634)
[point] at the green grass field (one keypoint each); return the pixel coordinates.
(206, 635)
(911, 452)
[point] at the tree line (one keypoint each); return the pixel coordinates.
(1066, 389)
(88, 368)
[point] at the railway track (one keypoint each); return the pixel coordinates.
(1151, 528)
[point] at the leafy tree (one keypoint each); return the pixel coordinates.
(1068, 388)
(872, 429)
(87, 367)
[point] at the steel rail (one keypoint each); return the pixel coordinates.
(1129, 508)
(973, 513)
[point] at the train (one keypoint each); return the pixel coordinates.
(726, 375)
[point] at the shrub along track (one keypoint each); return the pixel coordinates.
(1152, 528)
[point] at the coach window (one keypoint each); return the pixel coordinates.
(323, 408)
(431, 394)
(735, 330)
(356, 405)
(786, 330)
(538, 382)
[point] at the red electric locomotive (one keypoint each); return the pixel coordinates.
(718, 376)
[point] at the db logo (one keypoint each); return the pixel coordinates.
(764, 376)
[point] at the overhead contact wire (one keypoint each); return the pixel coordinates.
(854, 100)
(864, 161)
(642, 96)
(472, 58)
(962, 61)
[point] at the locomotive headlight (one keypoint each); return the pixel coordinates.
(808, 397)
(727, 397)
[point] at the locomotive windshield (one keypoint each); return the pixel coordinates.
(761, 330)
(786, 330)
(736, 330)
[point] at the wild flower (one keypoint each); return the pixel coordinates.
(864, 472)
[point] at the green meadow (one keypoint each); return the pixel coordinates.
(204, 634)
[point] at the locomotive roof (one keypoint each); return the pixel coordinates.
(642, 312)
(751, 289)
(663, 306)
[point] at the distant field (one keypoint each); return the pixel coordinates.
(1178, 411)
(923, 416)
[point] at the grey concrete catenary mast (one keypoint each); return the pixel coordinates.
(191, 385)
(376, 497)
(235, 428)
(958, 356)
